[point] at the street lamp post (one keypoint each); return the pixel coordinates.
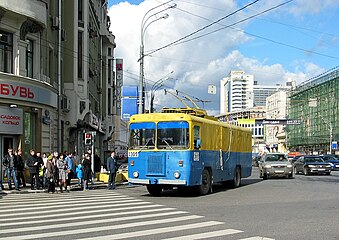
(144, 26)
(158, 84)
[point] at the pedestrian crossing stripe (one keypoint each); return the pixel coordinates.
(104, 214)
(65, 214)
(156, 231)
(205, 235)
(97, 209)
(82, 207)
(88, 222)
(105, 228)
(66, 205)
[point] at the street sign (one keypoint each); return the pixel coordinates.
(334, 145)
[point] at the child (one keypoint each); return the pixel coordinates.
(80, 174)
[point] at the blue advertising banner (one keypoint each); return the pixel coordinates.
(129, 107)
(129, 91)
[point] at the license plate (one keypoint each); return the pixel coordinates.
(279, 171)
(321, 169)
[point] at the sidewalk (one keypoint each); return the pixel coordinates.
(74, 187)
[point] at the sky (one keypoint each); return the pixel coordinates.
(202, 41)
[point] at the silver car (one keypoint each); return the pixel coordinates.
(275, 165)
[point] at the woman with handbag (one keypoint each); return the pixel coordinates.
(63, 175)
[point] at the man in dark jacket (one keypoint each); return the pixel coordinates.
(11, 164)
(32, 163)
(111, 168)
(20, 169)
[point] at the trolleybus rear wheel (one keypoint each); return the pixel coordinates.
(154, 190)
(206, 183)
(237, 178)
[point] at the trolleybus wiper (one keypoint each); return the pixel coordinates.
(144, 146)
(163, 140)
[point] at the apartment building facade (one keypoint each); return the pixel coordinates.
(57, 77)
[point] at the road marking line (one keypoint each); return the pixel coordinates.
(53, 220)
(206, 235)
(155, 231)
(64, 206)
(87, 222)
(42, 196)
(257, 238)
(62, 232)
(74, 213)
(73, 210)
(63, 201)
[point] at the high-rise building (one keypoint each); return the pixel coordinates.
(236, 92)
(261, 92)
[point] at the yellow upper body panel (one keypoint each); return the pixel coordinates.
(214, 135)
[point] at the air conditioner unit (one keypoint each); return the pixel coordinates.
(55, 23)
(65, 104)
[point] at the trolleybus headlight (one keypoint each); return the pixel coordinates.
(135, 174)
(177, 175)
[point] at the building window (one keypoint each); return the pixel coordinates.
(6, 52)
(29, 58)
(109, 105)
(80, 54)
(80, 10)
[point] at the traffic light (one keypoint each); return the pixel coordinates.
(88, 139)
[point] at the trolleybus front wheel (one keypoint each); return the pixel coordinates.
(206, 183)
(154, 190)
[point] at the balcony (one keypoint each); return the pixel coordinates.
(35, 10)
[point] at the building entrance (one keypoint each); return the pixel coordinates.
(6, 142)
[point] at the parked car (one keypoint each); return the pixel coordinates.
(331, 159)
(311, 164)
(275, 164)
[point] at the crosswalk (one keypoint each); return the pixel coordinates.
(103, 214)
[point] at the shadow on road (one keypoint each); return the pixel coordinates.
(193, 193)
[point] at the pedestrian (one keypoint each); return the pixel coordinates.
(86, 164)
(80, 174)
(33, 164)
(11, 164)
(40, 169)
(45, 178)
(55, 159)
(62, 169)
(50, 174)
(111, 168)
(21, 169)
(76, 159)
(70, 169)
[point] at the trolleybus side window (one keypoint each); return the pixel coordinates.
(197, 139)
(173, 135)
(142, 135)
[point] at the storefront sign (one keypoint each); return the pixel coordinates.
(27, 92)
(11, 120)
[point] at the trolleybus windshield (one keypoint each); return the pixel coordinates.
(173, 135)
(142, 135)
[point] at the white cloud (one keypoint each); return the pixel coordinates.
(312, 7)
(196, 64)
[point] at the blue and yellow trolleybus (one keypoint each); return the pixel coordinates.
(184, 148)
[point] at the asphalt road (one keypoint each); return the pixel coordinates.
(302, 208)
(306, 207)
